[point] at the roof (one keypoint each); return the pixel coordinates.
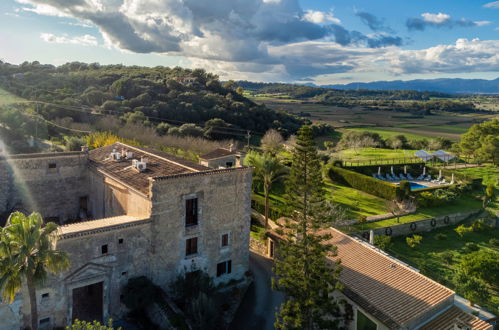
(389, 290)
(219, 153)
(423, 155)
(456, 318)
(442, 155)
(93, 226)
(159, 164)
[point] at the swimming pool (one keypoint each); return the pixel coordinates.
(416, 186)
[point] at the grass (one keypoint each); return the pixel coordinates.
(389, 132)
(489, 173)
(355, 202)
(374, 153)
(257, 231)
(7, 98)
(466, 203)
(432, 256)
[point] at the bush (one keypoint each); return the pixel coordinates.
(414, 241)
(447, 256)
(440, 237)
(426, 199)
(461, 230)
(494, 242)
(139, 293)
(83, 325)
(382, 242)
(471, 247)
(364, 183)
(74, 143)
(480, 225)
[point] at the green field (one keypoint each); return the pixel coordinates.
(439, 259)
(489, 173)
(7, 98)
(388, 132)
(373, 153)
(355, 202)
(463, 204)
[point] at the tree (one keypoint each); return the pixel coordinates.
(483, 264)
(268, 170)
(272, 141)
(482, 141)
(472, 288)
(399, 208)
(490, 194)
(414, 241)
(27, 254)
(301, 269)
(383, 242)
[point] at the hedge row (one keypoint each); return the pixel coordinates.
(258, 204)
(364, 183)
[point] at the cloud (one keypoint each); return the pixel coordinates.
(440, 20)
(374, 23)
(494, 4)
(464, 56)
(85, 40)
(319, 17)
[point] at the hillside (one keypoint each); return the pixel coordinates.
(158, 97)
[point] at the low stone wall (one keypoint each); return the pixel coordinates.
(420, 226)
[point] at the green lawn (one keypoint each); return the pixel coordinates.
(388, 132)
(489, 173)
(356, 202)
(432, 255)
(374, 153)
(463, 204)
(7, 98)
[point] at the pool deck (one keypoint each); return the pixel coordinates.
(428, 184)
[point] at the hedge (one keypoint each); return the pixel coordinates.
(364, 183)
(258, 204)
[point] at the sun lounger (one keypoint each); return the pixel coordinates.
(401, 176)
(421, 177)
(409, 176)
(442, 182)
(428, 178)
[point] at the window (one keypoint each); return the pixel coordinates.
(124, 273)
(52, 165)
(45, 295)
(84, 203)
(224, 268)
(45, 321)
(104, 249)
(191, 246)
(229, 164)
(225, 240)
(120, 241)
(364, 323)
(191, 212)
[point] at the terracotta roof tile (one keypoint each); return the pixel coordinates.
(159, 164)
(87, 227)
(387, 288)
(456, 318)
(218, 153)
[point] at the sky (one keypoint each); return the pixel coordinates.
(302, 41)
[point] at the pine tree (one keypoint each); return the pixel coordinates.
(301, 269)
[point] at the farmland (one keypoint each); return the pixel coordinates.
(386, 123)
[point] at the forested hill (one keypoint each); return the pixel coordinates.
(142, 94)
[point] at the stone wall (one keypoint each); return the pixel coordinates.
(224, 206)
(51, 184)
(422, 225)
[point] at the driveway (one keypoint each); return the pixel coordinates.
(260, 302)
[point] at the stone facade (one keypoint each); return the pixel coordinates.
(138, 234)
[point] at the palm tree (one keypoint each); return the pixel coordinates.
(27, 255)
(268, 170)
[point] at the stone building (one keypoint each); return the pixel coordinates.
(126, 212)
(222, 158)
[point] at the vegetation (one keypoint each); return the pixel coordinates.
(489, 173)
(27, 256)
(451, 262)
(268, 170)
(481, 142)
(414, 241)
(301, 269)
(95, 325)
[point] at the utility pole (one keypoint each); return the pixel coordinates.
(36, 123)
(248, 136)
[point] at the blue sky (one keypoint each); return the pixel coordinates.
(320, 41)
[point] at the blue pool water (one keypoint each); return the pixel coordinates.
(416, 186)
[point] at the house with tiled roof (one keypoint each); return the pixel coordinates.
(126, 211)
(222, 158)
(386, 293)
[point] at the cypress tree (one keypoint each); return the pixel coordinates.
(301, 269)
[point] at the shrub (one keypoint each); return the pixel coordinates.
(364, 183)
(414, 241)
(482, 264)
(404, 189)
(139, 293)
(471, 247)
(95, 325)
(426, 199)
(461, 230)
(74, 143)
(447, 256)
(440, 237)
(480, 225)
(494, 242)
(382, 242)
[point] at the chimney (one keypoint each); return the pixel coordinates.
(84, 149)
(123, 153)
(371, 237)
(231, 147)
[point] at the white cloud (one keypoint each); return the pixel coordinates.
(482, 23)
(85, 40)
(494, 4)
(464, 56)
(319, 17)
(435, 18)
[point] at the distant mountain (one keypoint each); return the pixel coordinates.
(444, 85)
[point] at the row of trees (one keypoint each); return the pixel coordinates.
(481, 142)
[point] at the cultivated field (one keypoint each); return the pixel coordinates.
(7, 98)
(386, 123)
